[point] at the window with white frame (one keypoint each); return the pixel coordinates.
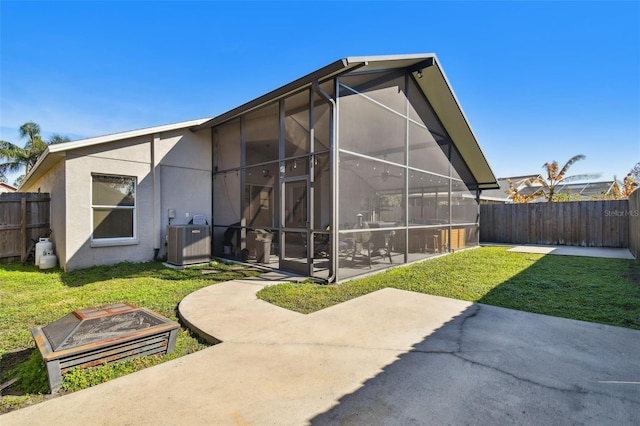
(113, 200)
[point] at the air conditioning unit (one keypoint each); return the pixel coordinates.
(188, 244)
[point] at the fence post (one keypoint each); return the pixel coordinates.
(23, 228)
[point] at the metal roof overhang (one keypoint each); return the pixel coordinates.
(324, 73)
(433, 83)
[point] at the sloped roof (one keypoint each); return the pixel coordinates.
(55, 152)
(501, 193)
(5, 187)
(587, 189)
(433, 83)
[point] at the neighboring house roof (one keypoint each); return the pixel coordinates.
(433, 83)
(521, 179)
(580, 190)
(501, 194)
(586, 190)
(55, 152)
(5, 187)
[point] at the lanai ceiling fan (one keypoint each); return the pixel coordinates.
(386, 174)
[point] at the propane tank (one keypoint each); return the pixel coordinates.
(48, 260)
(42, 245)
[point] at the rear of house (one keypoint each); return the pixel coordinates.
(110, 195)
(364, 164)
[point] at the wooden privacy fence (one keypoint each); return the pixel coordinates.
(634, 223)
(574, 223)
(24, 217)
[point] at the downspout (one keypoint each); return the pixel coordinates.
(405, 192)
(156, 202)
(478, 193)
(450, 227)
(333, 182)
(311, 198)
(214, 169)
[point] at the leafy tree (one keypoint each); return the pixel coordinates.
(555, 176)
(17, 157)
(516, 195)
(566, 196)
(622, 190)
(635, 172)
(18, 181)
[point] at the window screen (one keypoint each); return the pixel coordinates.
(113, 203)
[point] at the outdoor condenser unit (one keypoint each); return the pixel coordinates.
(188, 244)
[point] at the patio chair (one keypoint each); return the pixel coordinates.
(379, 243)
(361, 240)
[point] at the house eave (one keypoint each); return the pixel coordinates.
(328, 71)
(55, 153)
(433, 83)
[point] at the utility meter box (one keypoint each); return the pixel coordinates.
(188, 244)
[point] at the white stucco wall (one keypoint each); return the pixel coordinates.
(181, 161)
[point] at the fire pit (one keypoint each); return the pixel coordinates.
(90, 337)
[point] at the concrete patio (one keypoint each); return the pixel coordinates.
(602, 252)
(390, 357)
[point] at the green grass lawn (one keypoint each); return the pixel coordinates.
(30, 297)
(599, 290)
(605, 291)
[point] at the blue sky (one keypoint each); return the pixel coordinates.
(538, 81)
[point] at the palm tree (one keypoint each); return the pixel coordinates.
(26, 157)
(17, 157)
(555, 176)
(56, 138)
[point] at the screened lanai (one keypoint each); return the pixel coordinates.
(363, 165)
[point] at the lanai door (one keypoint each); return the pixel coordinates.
(294, 253)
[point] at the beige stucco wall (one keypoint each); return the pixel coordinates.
(53, 182)
(4, 189)
(179, 159)
(127, 158)
(184, 174)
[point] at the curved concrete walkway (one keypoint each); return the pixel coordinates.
(231, 309)
(390, 357)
